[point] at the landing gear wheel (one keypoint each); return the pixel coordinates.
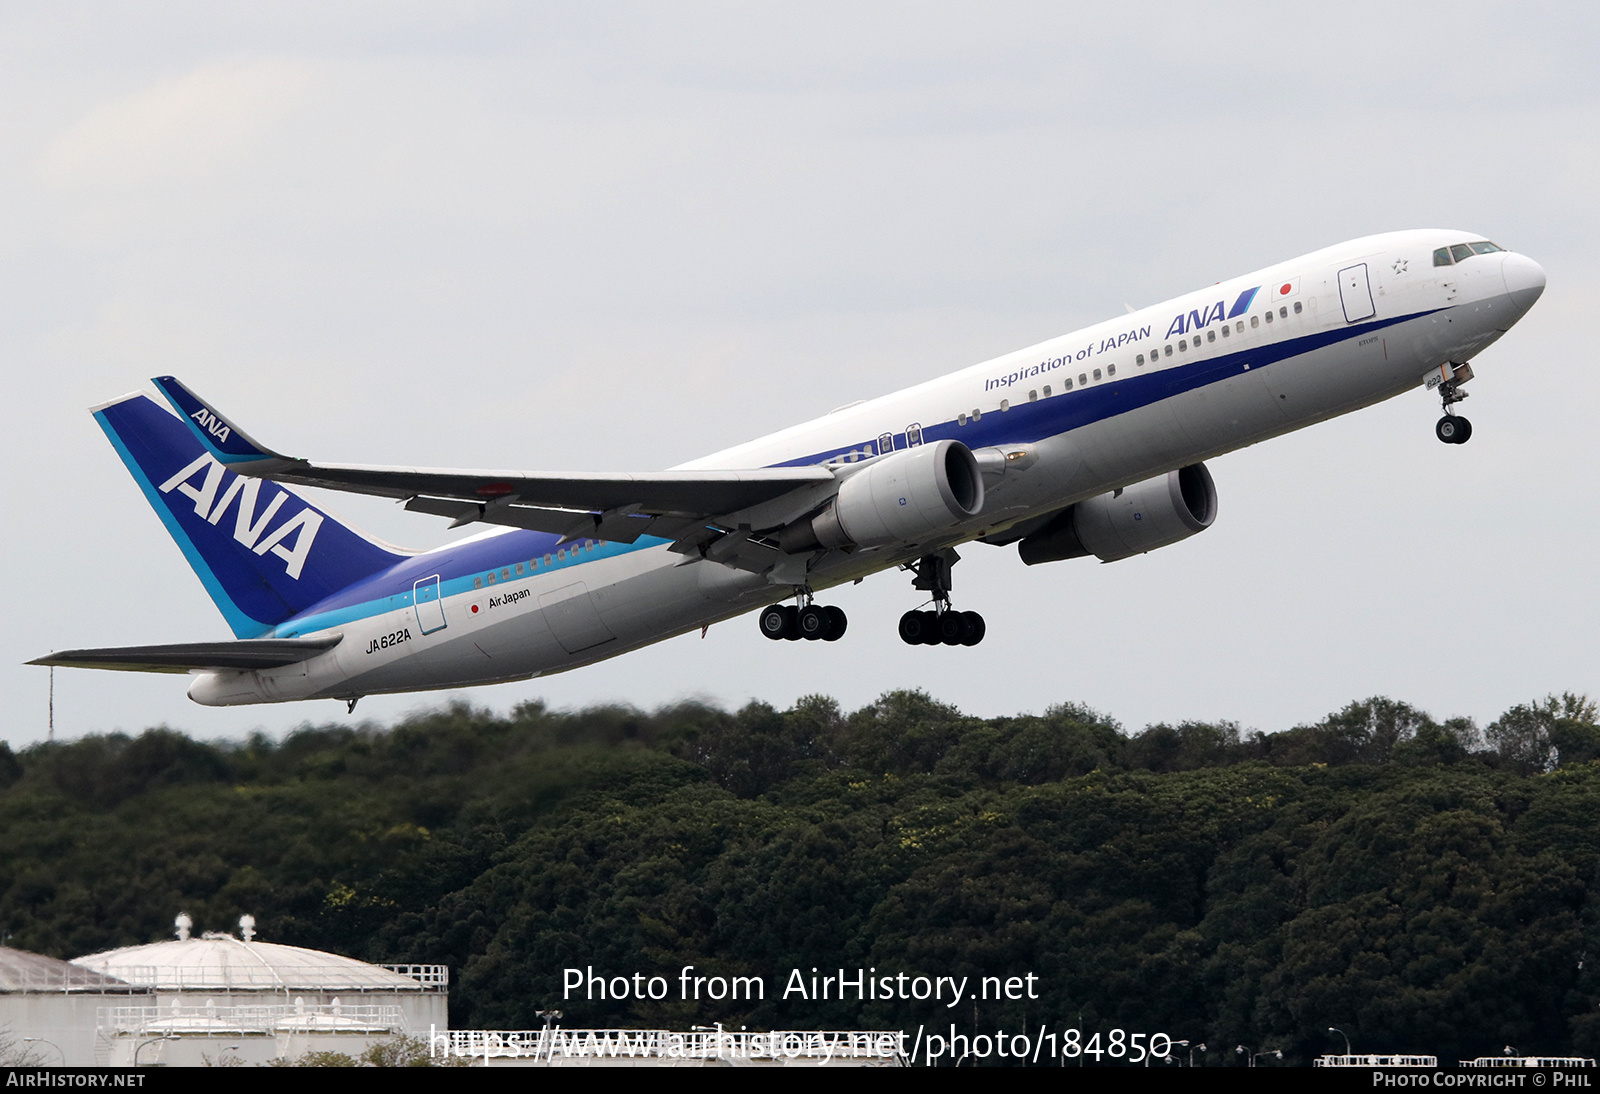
(950, 628)
(812, 623)
(914, 628)
(777, 621)
(930, 628)
(1453, 429)
(972, 628)
(837, 622)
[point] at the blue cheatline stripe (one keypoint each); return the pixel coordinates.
(241, 625)
(317, 619)
(1108, 398)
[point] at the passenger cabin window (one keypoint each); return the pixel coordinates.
(977, 415)
(1211, 336)
(1297, 307)
(1097, 374)
(1283, 313)
(477, 583)
(1224, 330)
(1269, 315)
(1139, 360)
(1005, 405)
(520, 570)
(1169, 351)
(1083, 378)
(1441, 257)
(1047, 391)
(1033, 396)
(1068, 385)
(1183, 344)
(913, 435)
(1255, 320)
(1111, 370)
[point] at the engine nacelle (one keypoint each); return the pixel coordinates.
(1131, 521)
(902, 498)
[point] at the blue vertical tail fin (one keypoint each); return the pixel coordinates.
(264, 553)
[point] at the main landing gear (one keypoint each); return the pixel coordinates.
(805, 620)
(1453, 428)
(943, 626)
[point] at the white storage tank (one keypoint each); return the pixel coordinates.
(48, 1009)
(219, 997)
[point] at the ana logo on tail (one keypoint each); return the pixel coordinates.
(248, 529)
(212, 424)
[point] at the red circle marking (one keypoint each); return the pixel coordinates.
(474, 609)
(1283, 290)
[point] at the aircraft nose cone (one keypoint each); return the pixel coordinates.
(1524, 280)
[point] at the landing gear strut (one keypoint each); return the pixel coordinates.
(803, 619)
(1452, 428)
(943, 626)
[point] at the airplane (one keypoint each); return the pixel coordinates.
(1090, 444)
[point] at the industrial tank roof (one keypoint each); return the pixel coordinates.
(221, 962)
(32, 972)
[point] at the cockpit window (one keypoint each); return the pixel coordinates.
(1483, 248)
(1461, 252)
(1441, 257)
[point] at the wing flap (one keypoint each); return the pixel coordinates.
(249, 653)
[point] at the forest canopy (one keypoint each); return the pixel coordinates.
(1425, 886)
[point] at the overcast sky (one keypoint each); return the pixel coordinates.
(615, 237)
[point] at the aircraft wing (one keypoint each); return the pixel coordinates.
(619, 507)
(247, 653)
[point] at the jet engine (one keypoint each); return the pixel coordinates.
(904, 497)
(1130, 521)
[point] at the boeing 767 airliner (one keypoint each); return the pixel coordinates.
(1088, 444)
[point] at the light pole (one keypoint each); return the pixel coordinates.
(548, 1016)
(1346, 1036)
(1201, 1046)
(153, 1040)
(1254, 1056)
(52, 1044)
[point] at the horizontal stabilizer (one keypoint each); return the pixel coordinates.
(250, 653)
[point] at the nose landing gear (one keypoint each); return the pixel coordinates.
(1452, 428)
(943, 626)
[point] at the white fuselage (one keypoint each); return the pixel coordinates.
(1081, 415)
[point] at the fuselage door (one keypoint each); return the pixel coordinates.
(1355, 293)
(429, 608)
